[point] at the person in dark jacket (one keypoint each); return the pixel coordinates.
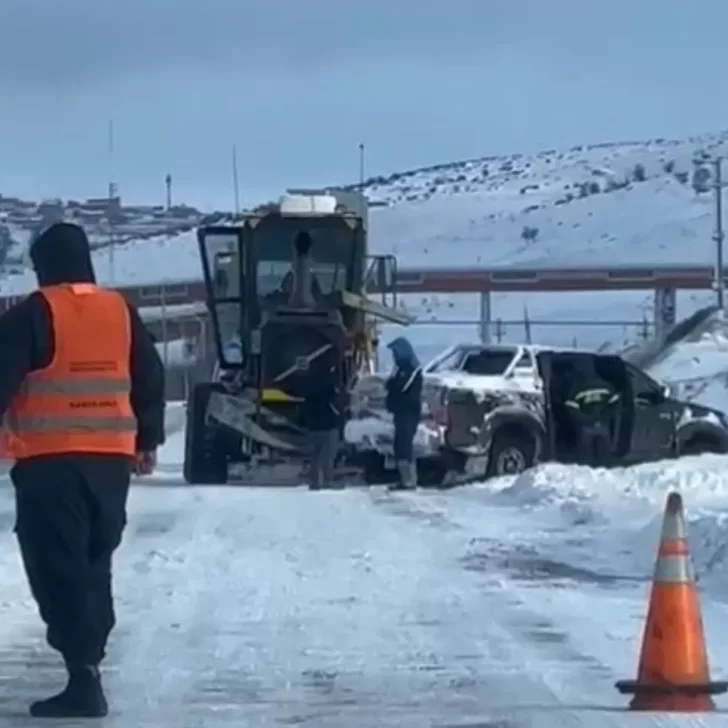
(404, 401)
(71, 506)
(323, 417)
(589, 398)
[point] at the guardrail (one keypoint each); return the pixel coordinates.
(639, 330)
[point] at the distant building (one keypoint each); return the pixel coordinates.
(109, 207)
(100, 217)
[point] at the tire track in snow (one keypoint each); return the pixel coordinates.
(303, 609)
(333, 634)
(550, 626)
(28, 667)
(260, 607)
(337, 628)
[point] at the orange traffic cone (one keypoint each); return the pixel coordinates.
(673, 673)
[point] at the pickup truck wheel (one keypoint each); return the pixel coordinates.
(701, 444)
(511, 454)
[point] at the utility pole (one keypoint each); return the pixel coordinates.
(719, 236)
(165, 330)
(527, 325)
(361, 165)
(704, 180)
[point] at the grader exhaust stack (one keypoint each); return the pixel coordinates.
(302, 293)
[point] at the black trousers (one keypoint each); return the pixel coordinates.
(71, 513)
(595, 446)
(405, 429)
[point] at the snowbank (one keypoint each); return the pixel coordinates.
(611, 519)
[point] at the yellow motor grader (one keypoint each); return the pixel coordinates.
(278, 313)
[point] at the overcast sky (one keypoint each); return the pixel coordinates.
(297, 85)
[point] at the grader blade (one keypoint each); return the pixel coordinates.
(236, 413)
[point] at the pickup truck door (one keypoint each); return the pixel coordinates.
(655, 419)
(544, 367)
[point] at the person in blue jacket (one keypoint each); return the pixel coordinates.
(404, 401)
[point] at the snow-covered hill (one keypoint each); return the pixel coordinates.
(698, 366)
(604, 203)
(607, 203)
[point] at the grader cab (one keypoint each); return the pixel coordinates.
(287, 295)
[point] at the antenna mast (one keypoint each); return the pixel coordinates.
(236, 184)
(110, 216)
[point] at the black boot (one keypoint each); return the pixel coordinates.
(83, 697)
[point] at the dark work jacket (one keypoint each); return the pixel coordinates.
(590, 396)
(404, 393)
(323, 404)
(62, 255)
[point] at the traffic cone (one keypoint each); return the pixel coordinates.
(673, 673)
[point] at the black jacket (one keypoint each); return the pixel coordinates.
(323, 402)
(590, 395)
(62, 255)
(404, 392)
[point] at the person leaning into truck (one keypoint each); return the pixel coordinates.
(404, 402)
(589, 399)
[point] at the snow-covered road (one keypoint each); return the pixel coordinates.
(514, 604)
(495, 606)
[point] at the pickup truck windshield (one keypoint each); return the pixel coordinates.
(479, 362)
(487, 362)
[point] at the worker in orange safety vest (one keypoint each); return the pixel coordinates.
(82, 406)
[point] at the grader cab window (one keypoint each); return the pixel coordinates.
(223, 281)
(221, 253)
(249, 271)
(333, 254)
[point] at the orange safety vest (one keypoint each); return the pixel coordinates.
(80, 401)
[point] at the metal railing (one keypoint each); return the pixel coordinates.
(523, 329)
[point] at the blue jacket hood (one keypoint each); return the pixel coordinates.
(403, 353)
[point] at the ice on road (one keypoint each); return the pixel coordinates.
(516, 604)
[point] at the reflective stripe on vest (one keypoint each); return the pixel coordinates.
(76, 386)
(49, 423)
(81, 401)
